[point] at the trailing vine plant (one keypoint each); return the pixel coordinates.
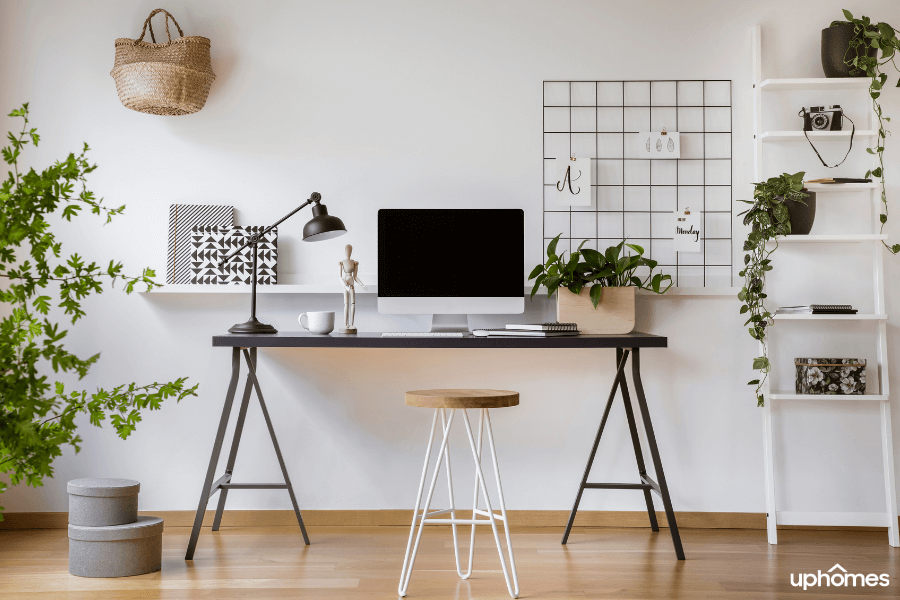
(37, 416)
(868, 36)
(768, 217)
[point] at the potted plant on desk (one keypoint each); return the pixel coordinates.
(596, 289)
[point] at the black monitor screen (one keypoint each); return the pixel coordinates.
(451, 252)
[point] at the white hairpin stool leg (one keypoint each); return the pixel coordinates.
(452, 502)
(513, 589)
(512, 560)
(475, 495)
(410, 558)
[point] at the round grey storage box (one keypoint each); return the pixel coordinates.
(118, 551)
(103, 502)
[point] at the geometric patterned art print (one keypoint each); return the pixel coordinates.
(182, 219)
(209, 245)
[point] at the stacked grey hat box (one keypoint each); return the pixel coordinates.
(107, 538)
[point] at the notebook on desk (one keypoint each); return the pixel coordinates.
(522, 332)
(554, 326)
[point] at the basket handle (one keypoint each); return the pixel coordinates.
(148, 23)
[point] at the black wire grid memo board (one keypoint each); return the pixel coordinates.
(635, 197)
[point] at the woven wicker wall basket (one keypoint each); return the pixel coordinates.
(163, 79)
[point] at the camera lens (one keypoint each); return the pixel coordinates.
(819, 121)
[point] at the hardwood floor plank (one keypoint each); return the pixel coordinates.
(401, 517)
(357, 562)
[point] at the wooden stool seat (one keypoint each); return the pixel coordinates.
(462, 398)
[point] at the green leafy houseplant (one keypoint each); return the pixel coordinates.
(768, 217)
(880, 36)
(586, 266)
(38, 417)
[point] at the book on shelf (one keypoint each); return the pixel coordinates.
(838, 180)
(817, 309)
(543, 326)
(522, 332)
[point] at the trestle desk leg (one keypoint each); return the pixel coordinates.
(590, 462)
(216, 451)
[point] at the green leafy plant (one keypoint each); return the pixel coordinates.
(768, 217)
(37, 418)
(880, 36)
(585, 266)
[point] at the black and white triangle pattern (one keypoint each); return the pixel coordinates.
(182, 219)
(209, 245)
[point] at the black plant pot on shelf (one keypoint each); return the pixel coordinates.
(835, 44)
(802, 215)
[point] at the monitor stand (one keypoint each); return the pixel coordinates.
(450, 324)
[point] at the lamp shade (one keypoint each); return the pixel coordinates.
(322, 226)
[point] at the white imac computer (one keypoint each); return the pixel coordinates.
(450, 263)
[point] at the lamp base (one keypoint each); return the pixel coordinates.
(252, 326)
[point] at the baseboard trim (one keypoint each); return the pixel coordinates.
(402, 517)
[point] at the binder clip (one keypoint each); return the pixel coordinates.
(687, 211)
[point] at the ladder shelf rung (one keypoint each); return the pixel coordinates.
(790, 395)
(837, 238)
(817, 83)
(821, 136)
(835, 519)
(856, 317)
(827, 188)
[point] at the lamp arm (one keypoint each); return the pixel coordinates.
(314, 197)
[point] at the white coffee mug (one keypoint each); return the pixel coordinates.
(320, 322)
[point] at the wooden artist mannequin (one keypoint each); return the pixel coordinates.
(349, 277)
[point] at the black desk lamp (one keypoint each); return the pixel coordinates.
(321, 227)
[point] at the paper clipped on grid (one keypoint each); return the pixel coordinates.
(658, 145)
(573, 181)
(687, 231)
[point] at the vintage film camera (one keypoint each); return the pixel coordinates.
(821, 118)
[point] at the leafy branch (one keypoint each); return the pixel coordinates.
(37, 417)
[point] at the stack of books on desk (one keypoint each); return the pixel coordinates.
(533, 330)
(817, 309)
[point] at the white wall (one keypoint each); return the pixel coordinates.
(406, 104)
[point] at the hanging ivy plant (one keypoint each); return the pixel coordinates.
(880, 36)
(768, 217)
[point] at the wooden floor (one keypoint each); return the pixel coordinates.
(364, 562)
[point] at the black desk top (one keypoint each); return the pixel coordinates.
(303, 339)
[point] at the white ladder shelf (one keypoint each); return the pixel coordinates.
(879, 318)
